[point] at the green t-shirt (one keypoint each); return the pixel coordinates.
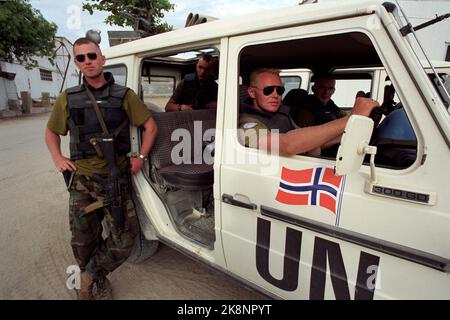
(133, 106)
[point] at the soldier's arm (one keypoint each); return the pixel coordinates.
(173, 105)
(148, 140)
(302, 140)
(53, 142)
(56, 126)
(307, 139)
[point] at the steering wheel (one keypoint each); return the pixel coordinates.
(376, 116)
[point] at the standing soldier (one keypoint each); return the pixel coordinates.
(97, 114)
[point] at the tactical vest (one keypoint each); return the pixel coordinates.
(280, 120)
(199, 95)
(84, 125)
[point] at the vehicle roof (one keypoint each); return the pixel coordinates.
(255, 22)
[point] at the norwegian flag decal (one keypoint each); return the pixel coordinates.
(311, 187)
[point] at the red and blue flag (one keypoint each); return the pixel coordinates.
(311, 187)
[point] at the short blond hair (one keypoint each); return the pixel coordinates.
(255, 74)
(84, 40)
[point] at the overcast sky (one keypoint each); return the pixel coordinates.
(73, 22)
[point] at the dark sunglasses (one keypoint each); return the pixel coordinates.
(269, 90)
(82, 57)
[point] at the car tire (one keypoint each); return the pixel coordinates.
(142, 249)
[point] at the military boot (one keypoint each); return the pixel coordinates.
(86, 284)
(102, 289)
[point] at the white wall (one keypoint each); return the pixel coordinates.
(30, 80)
(3, 95)
(434, 38)
(8, 90)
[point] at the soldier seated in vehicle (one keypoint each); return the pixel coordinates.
(318, 108)
(266, 119)
(197, 90)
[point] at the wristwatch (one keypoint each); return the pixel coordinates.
(143, 157)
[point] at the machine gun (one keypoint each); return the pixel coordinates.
(105, 147)
(111, 184)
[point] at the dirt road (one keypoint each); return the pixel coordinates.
(35, 238)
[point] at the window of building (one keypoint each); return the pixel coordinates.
(46, 75)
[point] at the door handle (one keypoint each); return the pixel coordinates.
(231, 200)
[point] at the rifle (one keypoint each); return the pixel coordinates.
(105, 147)
(111, 184)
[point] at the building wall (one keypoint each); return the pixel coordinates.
(3, 94)
(30, 80)
(8, 90)
(435, 38)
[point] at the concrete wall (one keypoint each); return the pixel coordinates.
(30, 80)
(3, 95)
(7, 91)
(435, 38)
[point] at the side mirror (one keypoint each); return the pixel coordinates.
(355, 145)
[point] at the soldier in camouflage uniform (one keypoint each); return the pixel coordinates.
(89, 202)
(266, 116)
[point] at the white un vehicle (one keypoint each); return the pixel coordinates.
(288, 226)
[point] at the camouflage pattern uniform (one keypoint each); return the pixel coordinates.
(94, 254)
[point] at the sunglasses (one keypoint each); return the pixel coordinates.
(82, 57)
(270, 89)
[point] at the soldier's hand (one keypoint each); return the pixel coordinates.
(136, 165)
(364, 106)
(62, 164)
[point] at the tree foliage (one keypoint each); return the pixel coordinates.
(24, 33)
(123, 11)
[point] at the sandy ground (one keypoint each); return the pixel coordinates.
(35, 238)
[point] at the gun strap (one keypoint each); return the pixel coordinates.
(119, 128)
(100, 116)
(94, 206)
(97, 111)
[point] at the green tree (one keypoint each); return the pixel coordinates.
(128, 12)
(25, 33)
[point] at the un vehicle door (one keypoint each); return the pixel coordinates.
(293, 228)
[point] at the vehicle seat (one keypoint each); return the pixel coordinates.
(194, 174)
(295, 97)
(244, 98)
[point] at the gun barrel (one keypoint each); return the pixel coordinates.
(107, 146)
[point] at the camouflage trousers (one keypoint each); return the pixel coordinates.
(94, 254)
